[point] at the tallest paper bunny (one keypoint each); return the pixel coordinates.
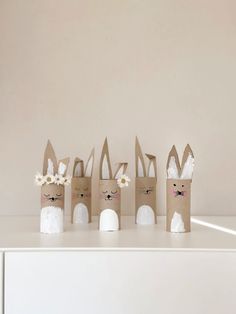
(52, 184)
(109, 186)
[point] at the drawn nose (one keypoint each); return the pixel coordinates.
(179, 192)
(53, 199)
(108, 196)
(82, 195)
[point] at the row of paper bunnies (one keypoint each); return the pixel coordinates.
(54, 179)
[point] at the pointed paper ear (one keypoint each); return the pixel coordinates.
(173, 165)
(152, 166)
(139, 160)
(187, 163)
(63, 166)
(187, 151)
(121, 169)
(89, 166)
(50, 160)
(78, 169)
(105, 164)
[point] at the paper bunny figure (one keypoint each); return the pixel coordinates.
(81, 211)
(109, 192)
(145, 188)
(179, 179)
(52, 184)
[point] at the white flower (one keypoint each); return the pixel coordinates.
(123, 181)
(49, 178)
(39, 179)
(67, 180)
(59, 179)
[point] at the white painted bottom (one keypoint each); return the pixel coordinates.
(109, 220)
(177, 224)
(80, 215)
(145, 215)
(51, 220)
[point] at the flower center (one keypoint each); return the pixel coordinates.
(123, 180)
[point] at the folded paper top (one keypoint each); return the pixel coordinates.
(141, 170)
(105, 170)
(54, 172)
(183, 171)
(78, 169)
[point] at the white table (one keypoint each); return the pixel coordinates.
(138, 270)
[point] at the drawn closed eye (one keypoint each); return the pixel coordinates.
(85, 189)
(58, 195)
(46, 195)
(104, 192)
(113, 192)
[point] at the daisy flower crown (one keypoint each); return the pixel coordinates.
(57, 179)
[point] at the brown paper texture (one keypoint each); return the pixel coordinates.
(145, 194)
(109, 191)
(109, 196)
(81, 193)
(81, 186)
(146, 181)
(178, 198)
(173, 153)
(52, 195)
(105, 158)
(49, 154)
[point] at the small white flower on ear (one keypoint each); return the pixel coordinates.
(49, 178)
(39, 179)
(123, 181)
(67, 180)
(59, 179)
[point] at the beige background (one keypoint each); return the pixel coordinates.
(76, 71)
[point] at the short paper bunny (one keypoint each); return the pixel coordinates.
(81, 191)
(145, 187)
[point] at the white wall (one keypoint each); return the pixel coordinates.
(76, 71)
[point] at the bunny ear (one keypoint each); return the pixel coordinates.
(122, 166)
(105, 164)
(63, 166)
(89, 166)
(78, 170)
(50, 160)
(173, 165)
(139, 160)
(152, 166)
(187, 163)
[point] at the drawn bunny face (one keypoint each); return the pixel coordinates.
(52, 195)
(81, 189)
(179, 189)
(109, 193)
(145, 187)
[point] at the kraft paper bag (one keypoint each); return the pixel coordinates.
(52, 181)
(178, 191)
(145, 188)
(81, 191)
(110, 192)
